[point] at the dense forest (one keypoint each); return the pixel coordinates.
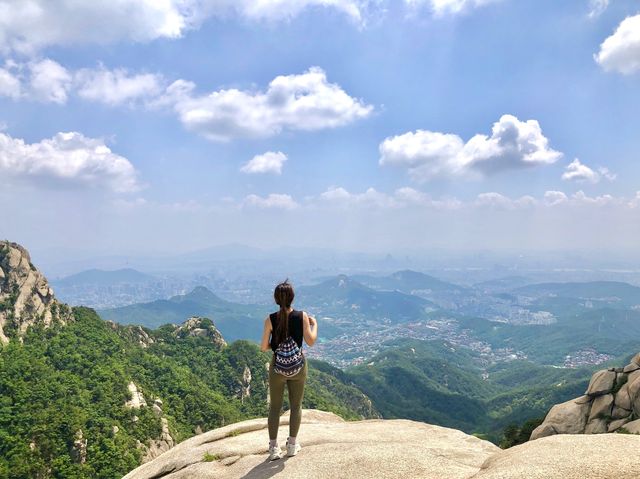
(68, 384)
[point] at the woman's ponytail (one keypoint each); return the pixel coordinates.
(283, 296)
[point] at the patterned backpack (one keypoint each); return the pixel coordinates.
(288, 358)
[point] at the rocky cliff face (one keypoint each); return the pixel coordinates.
(611, 403)
(26, 298)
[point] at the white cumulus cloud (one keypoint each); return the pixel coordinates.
(579, 172)
(117, 86)
(621, 51)
(269, 162)
(49, 81)
(513, 144)
(27, 26)
(273, 200)
(291, 102)
(68, 158)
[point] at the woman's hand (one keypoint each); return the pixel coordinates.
(309, 329)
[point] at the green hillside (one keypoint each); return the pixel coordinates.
(74, 378)
(610, 331)
(437, 383)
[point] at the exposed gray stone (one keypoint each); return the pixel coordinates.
(331, 448)
(583, 399)
(629, 368)
(619, 413)
(596, 426)
(195, 326)
(633, 427)
(632, 376)
(601, 407)
(386, 449)
(34, 302)
(566, 418)
(79, 450)
(137, 398)
(160, 445)
(622, 398)
(543, 430)
(614, 425)
(601, 383)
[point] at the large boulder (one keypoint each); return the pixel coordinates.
(601, 383)
(601, 407)
(605, 456)
(622, 398)
(633, 427)
(565, 418)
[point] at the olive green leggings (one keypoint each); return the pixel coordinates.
(295, 385)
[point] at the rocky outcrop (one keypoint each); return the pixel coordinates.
(158, 446)
(200, 327)
(154, 447)
(137, 398)
(26, 298)
(566, 457)
(245, 384)
(79, 449)
(134, 333)
(611, 400)
(334, 448)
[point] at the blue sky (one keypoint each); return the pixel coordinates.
(362, 140)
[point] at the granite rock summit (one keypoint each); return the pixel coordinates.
(26, 299)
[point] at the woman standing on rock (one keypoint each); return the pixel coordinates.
(284, 332)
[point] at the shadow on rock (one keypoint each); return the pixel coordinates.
(266, 469)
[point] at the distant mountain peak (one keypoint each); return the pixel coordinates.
(202, 293)
(26, 298)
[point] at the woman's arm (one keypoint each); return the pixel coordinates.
(264, 344)
(309, 329)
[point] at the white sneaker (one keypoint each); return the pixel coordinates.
(293, 449)
(275, 453)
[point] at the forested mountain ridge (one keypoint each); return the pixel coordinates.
(81, 397)
(236, 321)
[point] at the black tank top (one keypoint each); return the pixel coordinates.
(295, 327)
